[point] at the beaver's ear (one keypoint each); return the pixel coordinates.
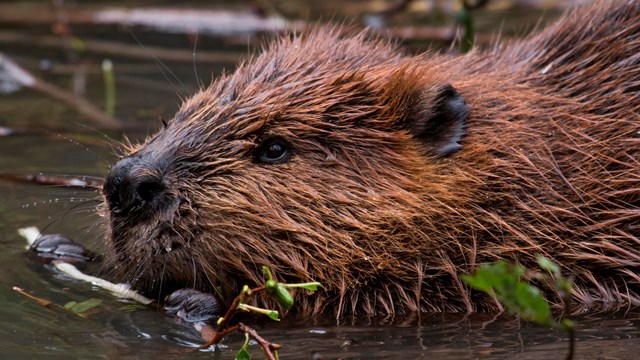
(438, 119)
(434, 114)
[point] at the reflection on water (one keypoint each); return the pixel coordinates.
(28, 330)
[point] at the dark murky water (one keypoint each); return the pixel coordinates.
(57, 140)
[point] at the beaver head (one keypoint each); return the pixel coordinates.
(316, 159)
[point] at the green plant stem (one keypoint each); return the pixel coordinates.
(566, 302)
(273, 314)
(572, 342)
(109, 87)
(466, 19)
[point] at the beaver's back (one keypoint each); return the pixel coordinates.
(560, 119)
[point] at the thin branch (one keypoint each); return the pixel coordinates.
(268, 347)
(224, 324)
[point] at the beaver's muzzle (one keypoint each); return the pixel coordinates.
(136, 186)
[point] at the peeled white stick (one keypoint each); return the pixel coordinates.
(31, 234)
(119, 290)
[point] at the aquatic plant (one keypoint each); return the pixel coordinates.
(504, 281)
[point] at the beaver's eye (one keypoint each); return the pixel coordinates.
(275, 150)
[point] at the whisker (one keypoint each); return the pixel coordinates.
(74, 210)
(108, 140)
(78, 144)
(206, 274)
(195, 69)
(195, 274)
(96, 228)
(138, 270)
(163, 69)
(164, 267)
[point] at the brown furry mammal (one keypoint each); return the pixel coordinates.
(341, 160)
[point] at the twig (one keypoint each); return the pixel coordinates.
(224, 329)
(394, 8)
(22, 77)
(116, 48)
(120, 290)
(227, 317)
(70, 181)
(40, 301)
(267, 347)
(81, 105)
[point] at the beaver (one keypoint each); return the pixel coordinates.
(385, 176)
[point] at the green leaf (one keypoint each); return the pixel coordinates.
(563, 284)
(311, 286)
(70, 305)
(531, 304)
(568, 325)
(500, 274)
(282, 296)
(502, 281)
(548, 265)
(84, 306)
(243, 353)
(273, 314)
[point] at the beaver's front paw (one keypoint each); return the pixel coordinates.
(50, 247)
(192, 305)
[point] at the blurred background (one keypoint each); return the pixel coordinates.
(150, 46)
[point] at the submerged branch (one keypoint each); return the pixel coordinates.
(71, 181)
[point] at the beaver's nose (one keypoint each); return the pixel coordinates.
(132, 184)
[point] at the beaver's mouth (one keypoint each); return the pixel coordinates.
(168, 244)
(152, 261)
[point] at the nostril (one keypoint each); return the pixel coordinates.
(116, 182)
(175, 245)
(133, 183)
(111, 192)
(148, 190)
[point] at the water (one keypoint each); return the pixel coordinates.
(57, 140)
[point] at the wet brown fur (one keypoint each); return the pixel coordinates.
(550, 164)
